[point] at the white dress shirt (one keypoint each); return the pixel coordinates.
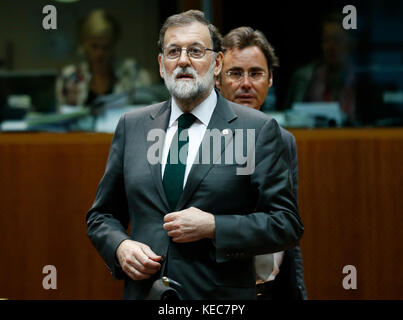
(196, 131)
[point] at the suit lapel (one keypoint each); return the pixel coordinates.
(221, 120)
(159, 119)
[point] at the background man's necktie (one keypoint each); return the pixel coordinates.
(176, 163)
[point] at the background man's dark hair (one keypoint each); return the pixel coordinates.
(244, 37)
(186, 18)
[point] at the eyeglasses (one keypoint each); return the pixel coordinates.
(240, 75)
(194, 51)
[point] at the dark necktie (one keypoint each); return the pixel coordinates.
(176, 161)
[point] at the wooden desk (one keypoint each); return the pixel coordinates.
(351, 203)
(48, 183)
(350, 195)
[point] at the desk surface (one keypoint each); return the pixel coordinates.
(340, 133)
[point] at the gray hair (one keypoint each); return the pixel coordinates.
(186, 18)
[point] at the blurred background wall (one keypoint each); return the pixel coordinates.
(293, 28)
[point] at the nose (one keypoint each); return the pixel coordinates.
(183, 59)
(246, 82)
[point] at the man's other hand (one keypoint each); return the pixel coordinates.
(189, 225)
(137, 259)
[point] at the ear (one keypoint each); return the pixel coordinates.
(218, 63)
(160, 62)
(218, 82)
(270, 79)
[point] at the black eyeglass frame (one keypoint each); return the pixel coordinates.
(204, 50)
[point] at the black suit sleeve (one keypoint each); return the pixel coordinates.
(108, 218)
(294, 166)
(297, 250)
(276, 225)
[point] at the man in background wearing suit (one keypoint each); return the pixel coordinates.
(200, 224)
(246, 77)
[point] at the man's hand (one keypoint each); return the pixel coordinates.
(137, 260)
(189, 225)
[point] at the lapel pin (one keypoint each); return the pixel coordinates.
(225, 131)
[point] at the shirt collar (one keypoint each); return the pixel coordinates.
(202, 112)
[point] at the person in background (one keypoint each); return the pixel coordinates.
(330, 78)
(246, 77)
(100, 73)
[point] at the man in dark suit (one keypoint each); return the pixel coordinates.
(247, 52)
(199, 223)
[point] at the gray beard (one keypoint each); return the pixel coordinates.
(189, 90)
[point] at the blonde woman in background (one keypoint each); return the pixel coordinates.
(99, 74)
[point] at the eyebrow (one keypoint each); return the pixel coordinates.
(236, 68)
(192, 44)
